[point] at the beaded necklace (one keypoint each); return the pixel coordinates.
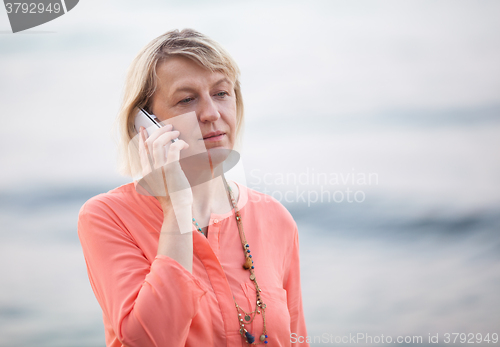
(260, 307)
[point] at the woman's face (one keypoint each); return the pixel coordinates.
(183, 87)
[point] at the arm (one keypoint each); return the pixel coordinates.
(148, 304)
(294, 293)
(171, 188)
(176, 244)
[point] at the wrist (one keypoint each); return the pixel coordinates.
(171, 210)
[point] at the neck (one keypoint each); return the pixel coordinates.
(210, 197)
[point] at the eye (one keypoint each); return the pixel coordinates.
(222, 94)
(185, 101)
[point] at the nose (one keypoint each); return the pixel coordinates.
(207, 110)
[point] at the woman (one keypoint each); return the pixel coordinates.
(203, 262)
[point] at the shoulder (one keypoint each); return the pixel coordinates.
(110, 214)
(105, 201)
(115, 203)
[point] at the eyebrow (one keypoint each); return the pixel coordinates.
(222, 80)
(190, 89)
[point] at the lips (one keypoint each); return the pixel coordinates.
(213, 134)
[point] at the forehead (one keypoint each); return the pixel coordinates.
(180, 72)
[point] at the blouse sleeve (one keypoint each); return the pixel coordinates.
(147, 304)
(294, 295)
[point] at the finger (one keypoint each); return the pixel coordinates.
(146, 158)
(143, 156)
(175, 149)
(157, 133)
(161, 147)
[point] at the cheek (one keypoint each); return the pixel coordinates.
(229, 113)
(232, 130)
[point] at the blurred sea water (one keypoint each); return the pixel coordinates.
(407, 90)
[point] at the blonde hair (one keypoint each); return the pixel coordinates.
(141, 82)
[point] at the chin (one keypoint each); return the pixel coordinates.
(218, 154)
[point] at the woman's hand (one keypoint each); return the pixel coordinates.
(161, 168)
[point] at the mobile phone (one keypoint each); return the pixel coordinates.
(148, 121)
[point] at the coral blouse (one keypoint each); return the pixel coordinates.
(151, 300)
